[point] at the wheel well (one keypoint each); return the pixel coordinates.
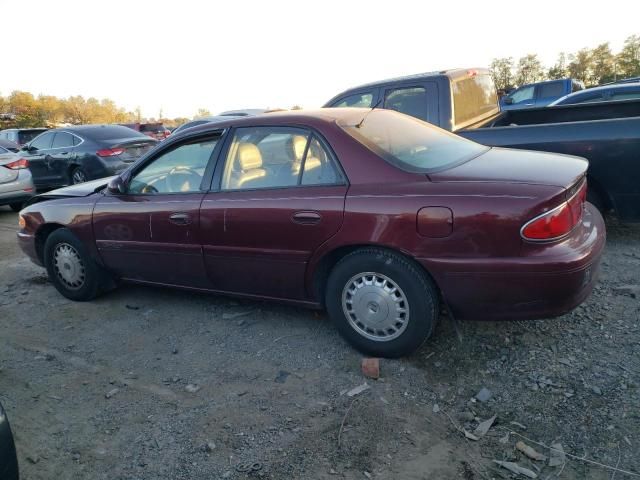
(41, 238)
(330, 259)
(597, 189)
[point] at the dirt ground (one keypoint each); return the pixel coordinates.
(148, 383)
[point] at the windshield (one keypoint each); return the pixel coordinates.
(411, 144)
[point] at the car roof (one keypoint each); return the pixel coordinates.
(307, 118)
(89, 128)
(451, 73)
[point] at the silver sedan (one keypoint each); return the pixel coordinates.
(16, 184)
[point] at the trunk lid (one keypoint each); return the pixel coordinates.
(133, 148)
(517, 166)
(6, 174)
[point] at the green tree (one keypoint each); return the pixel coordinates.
(502, 72)
(529, 69)
(603, 64)
(628, 60)
(581, 66)
(559, 70)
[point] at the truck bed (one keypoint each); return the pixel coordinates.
(607, 134)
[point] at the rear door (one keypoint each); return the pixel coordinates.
(38, 156)
(59, 160)
(279, 194)
(152, 232)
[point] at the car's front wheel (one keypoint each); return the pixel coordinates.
(71, 269)
(79, 176)
(381, 302)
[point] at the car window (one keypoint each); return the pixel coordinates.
(596, 97)
(43, 141)
(522, 94)
(3, 150)
(319, 168)
(361, 100)
(412, 101)
(411, 144)
(179, 170)
(76, 140)
(26, 136)
(276, 157)
(626, 95)
(62, 140)
(552, 89)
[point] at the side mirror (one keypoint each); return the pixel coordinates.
(28, 148)
(117, 186)
(508, 100)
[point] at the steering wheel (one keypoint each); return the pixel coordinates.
(178, 176)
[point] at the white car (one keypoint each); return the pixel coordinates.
(16, 183)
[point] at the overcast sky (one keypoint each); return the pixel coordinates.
(187, 54)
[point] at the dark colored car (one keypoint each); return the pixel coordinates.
(376, 215)
(21, 136)
(604, 93)
(464, 101)
(154, 130)
(8, 458)
(200, 121)
(539, 94)
(70, 155)
(9, 145)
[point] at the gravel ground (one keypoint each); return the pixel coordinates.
(153, 383)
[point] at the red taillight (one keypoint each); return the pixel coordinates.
(18, 164)
(110, 152)
(558, 222)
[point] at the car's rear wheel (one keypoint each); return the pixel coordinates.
(71, 270)
(16, 207)
(78, 175)
(381, 302)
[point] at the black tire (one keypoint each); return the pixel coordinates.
(16, 207)
(78, 175)
(91, 277)
(406, 280)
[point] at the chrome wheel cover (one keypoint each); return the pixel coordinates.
(69, 266)
(375, 306)
(79, 177)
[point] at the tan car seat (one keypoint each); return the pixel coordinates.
(298, 145)
(248, 166)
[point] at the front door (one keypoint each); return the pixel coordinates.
(59, 163)
(152, 232)
(37, 154)
(279, 194)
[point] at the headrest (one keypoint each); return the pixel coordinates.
(249, 156)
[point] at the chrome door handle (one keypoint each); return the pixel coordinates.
(306, 217)
(180, 218)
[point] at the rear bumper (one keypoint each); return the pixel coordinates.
(19, 190)
(548, 280)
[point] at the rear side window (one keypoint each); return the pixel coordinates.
(474, 97)
(411, 101)
(62, 140)
(553, 89)
(411, 144)
(524, 93)
(359, 100)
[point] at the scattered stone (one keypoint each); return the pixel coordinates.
(33, 458)
(132, 307)
(632, 290)
(436, 408)
(175, 350)
(332, 472)
(111, 392)
(565, 361)
(556, 455)
(358, 390)
(282, 376)
(515, 468)
(530, 452)
(483, 395)
(504, 440)
(192, 388)
(519, 425)
(470, 436)
(597, 390)
(482, 429)
(371, 367)
(209, 447)
(466, 416)
(227, 474)
(367, 474)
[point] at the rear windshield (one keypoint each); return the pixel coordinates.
(111, 132)
(155, 128)
(27, 135)
(411, 144)
(473, 98)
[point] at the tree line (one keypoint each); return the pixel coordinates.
(593, 66)
(24, 110)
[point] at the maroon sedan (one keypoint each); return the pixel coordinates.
(377, 216)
